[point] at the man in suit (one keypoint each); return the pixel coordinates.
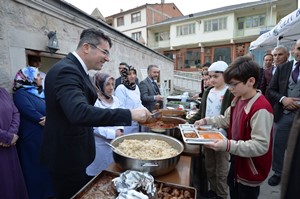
(284, 93)
(268, 67)
(68, 145)
(118, 81)
(150, 94)
(280, 56)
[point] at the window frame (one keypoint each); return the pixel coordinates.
(135, 17)
(216, 24)
(135, 35)
(186, 29)
(119, 20)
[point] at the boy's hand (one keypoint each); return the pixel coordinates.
(218, 145)
(199, 123)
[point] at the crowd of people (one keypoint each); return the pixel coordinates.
(53, 139)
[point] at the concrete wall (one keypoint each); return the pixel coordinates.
(24, 25)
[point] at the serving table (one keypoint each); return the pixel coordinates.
(179, 175)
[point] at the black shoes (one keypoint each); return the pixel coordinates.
(274, 180)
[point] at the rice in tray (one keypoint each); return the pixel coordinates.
(151, 149)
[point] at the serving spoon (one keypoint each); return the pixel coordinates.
(114, 148)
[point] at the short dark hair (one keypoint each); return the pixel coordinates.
(93, 36)
(32, 59)
(123, 63)
(150, 67)
(268, 54)
(241, 69)
(207, 64)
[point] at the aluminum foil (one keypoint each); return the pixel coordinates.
(129, 182)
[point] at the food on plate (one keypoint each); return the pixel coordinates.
(160, 125)
(190, 134)
(167, 192)
(204, 127)
(152, 149)
(210, 135)
(103, 188)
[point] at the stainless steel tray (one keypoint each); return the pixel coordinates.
(102, 187)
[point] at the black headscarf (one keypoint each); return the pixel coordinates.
(124, 77)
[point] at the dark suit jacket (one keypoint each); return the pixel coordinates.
(68, 145)
(279, 87)
(266, 79)
(291, 173)
(147, 94)
(260, 77)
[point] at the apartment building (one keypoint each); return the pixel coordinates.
(219, 34)
(134, 22)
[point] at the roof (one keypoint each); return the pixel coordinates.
(139, 8)
(214, 11)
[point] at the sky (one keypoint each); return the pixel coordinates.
(111, 7)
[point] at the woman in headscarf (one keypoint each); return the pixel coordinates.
(12, 181)
(30, 100)
(104, 85)
(129, 95)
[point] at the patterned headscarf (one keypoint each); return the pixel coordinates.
(26, 79)
(124, 77)
(100, 81)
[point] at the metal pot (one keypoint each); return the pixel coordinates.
(154, 167)
(174, 132)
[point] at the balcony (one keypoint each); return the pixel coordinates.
(159, 44)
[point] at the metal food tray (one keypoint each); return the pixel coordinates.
(106, 188)
(191, 135)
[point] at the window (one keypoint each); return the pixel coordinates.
(169, 54)
(135, 17)
(215, 24)
(186, 29)
(241, 23)
(162, 36)
(136, 35)
(120, 21)
(254, 21)
(192, 58)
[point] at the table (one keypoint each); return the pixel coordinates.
(179, 175)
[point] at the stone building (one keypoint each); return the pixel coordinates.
(24, 29)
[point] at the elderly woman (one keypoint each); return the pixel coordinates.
(29, 99)
(104, 85)
(129, 95)
(12, 181)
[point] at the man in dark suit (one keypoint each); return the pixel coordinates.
(267, 74)
(285, 96)
(118, 81)
(68, 145)
(150, 93)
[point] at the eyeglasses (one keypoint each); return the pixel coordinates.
(233, 84)
(105, 52)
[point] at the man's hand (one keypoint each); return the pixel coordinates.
(140, 114)
(42, 121)
(291, 103)
(159, 98)
(14, 140)
(119, 132)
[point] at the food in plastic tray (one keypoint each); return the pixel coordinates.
(191, 135)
